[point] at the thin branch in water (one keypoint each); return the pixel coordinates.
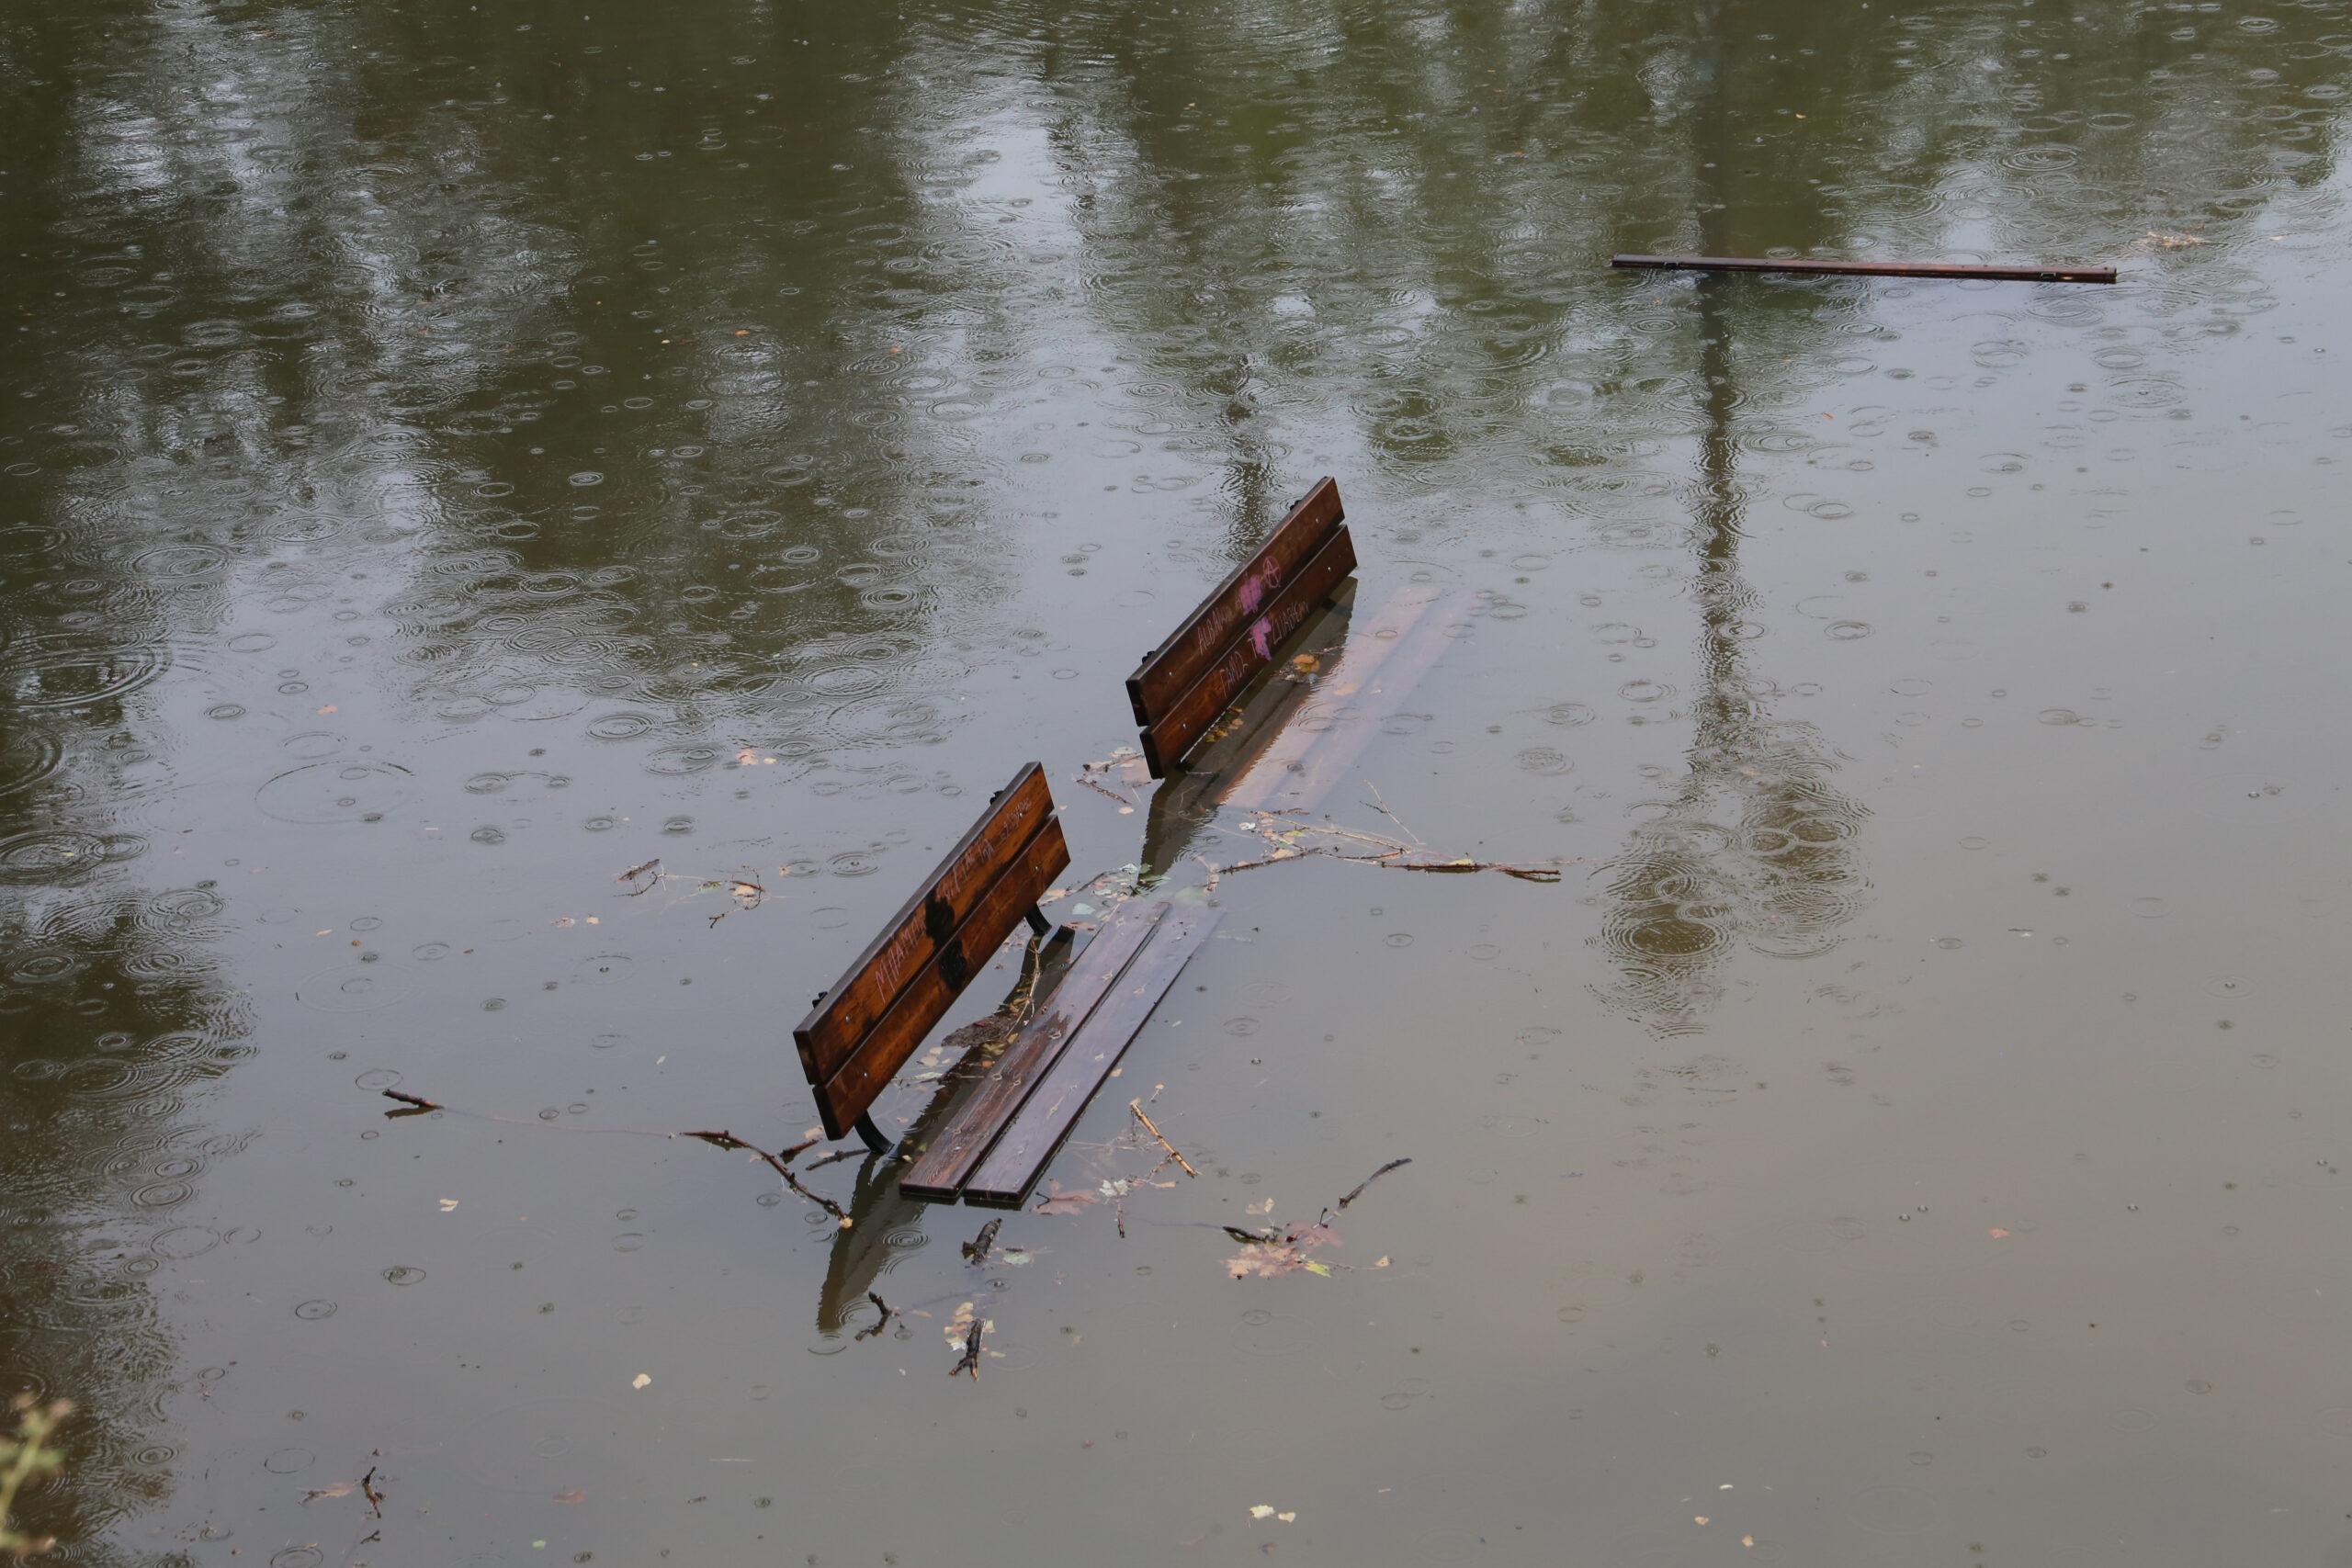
(1524, 872)
(1088, 779)
(747, 895)
(1136, 1105)
(418, 1106)
(880, 1322)
(836, 1157)
(726, 1140)
(368, 1490)
(651, 870)
(971, 1360)
(1357, 1191)
(777, 1162)
(976, 1251)
(1380, 804)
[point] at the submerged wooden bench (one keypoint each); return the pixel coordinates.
(860, 1033)
(1184, 683)
(995, 1145)
(1019, 1108)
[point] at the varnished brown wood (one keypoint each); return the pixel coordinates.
(1182, 722)
(1869, 269)
(1019, 1156)
(947, 967)
(835, 1025)
(1171, 668)
(956, 1147)
(1386, 656)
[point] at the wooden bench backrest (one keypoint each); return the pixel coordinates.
(862, 1032)
(1187, 681)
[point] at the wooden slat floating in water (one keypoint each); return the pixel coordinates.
(1182, 685)
(1386, 656)
(1867, 269)
(863, 1030)
(956, 1147)
(1019, 1156)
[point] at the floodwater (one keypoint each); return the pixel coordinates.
(452, 454)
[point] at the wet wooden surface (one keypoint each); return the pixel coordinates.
(1386, 656)
(1223, 623)
(910, 940)
(1167, 739)
(1019, 1156)
(954, 1149)
(1867, 269)
(943, 972)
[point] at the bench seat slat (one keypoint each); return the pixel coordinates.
(1369, 684)
(1019, 1156)
(957, 1147)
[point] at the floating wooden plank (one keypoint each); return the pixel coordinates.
(1385, 660)
(1019, 1156)
(954, 1149)
(1184, 719)
(1867, 269)
(1233, 620)
(862, 1032)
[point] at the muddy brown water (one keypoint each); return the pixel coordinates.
(452, 454)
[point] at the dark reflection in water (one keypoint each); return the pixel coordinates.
(439, 430)
(114, 1027)
(1755, 845)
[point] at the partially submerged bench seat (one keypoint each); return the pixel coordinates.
(995, 1142)
(860, 1033)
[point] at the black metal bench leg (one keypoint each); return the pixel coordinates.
(872, 1135)
(1039, 922)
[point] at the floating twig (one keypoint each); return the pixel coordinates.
(971, 1359)
(368, 1490)
(417, 1106)
(880, 1322)
(1136, 1105)
(651, 869)
(1088, 779)
(726, 1140)
(1380, 804)
(1357, 1191)
(976, 1251)
(1524, 872)
(1284, 831)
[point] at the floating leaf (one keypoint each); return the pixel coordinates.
(1061, 1203)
